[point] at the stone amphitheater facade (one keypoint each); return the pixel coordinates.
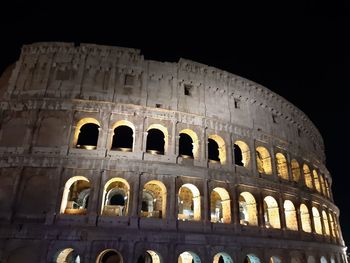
(108, 157)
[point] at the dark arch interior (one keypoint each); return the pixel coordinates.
(117, 199)
(185, 145)
(155, 141)
(111, 257)
(88, 135)
(238, 155)
(213, 150)
(123, 138)
(145, 258)
(221, 259)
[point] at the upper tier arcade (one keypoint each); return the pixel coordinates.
(122, 75)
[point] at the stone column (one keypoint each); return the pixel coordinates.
(94, 193)
(282, 214)
(206, 204)
(55, 180)
(136, 195)
(235, 206)
(260, 208)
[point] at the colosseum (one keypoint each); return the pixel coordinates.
(110, 158)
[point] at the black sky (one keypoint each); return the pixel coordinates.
(300, 52)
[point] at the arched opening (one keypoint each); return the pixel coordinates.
(86, 134)
(155, 141)
(154, 200)
(251, 258)
(316, 181)
(290, 215)
(305, 218)
(109, 256)
(220, 206)
(123, 136)
(115, 197)
(247, 209)
(323, 185)
(307, 176)
(333, 231)
(323, 260)
(242, 153)
(185, 146)
(295, 170)
(150, 256)
(317, 221)
(327, 188)
(271, 213)
(188, 257)
(336, 231)
(332, 259)
(275, 259)
(325, 223)
(189, 203)
(222, 257)
(67, 256)
(311, 259)
(263, 160)
(188, 144)
(282, 167)
(216, 149)
(75, 199)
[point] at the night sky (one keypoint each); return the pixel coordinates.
(299, 52)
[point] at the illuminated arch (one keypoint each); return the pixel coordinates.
(75, 201)
(317, 220)
(333, 231)
(290, 215)
(77, 132)
(247, 209)
(195, 142)
(263, 160)
(305, 218)
(316, 181)
(307, 176)
(223, 256)
(251, 258)
(325, 223)
(159, 148)
(150, 256)
(323, 185)
(221, 147)
(109, 255)
(220, 206)
(282, 166)
(336, 225)
(67, 255)
(295, 170)
(189, 203)
(115, 198)
(323, 260)
(123, 144)
(271, 213)
(156, 207)
(327, 188)
(275, 259)
(243, 149)
(188, 257)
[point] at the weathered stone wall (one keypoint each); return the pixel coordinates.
(54, 86)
